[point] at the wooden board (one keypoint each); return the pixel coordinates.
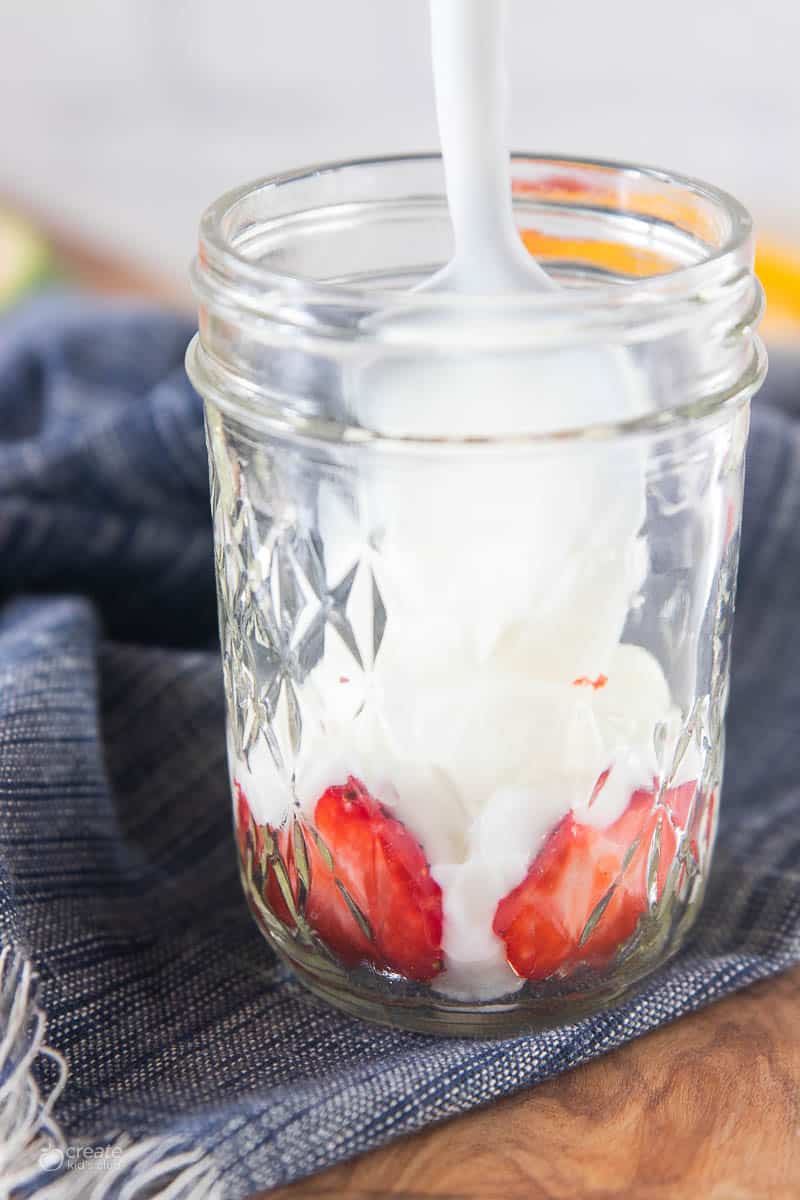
(705, 1109)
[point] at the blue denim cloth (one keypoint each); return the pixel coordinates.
(117, 872)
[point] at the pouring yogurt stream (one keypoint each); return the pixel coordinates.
(504, 708)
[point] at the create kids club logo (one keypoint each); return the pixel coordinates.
(79, 1158)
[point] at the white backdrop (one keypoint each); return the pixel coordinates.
(124, 117)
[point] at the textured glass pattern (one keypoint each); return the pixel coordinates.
(358, 909)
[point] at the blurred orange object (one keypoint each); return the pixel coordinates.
(613, 256)
(777, 264)
(778, 268)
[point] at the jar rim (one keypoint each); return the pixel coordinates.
(268, 305)
(219, 252)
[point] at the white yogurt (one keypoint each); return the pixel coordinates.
(502, 583)
(467, 47)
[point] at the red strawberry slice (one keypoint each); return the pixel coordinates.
(377, 903)
(242, 820)
(555, 919)
(326, 907)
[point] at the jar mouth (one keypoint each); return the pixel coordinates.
(222, 240)
(644, 253)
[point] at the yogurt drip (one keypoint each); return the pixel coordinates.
(467, 39)
(461, 392)
(507, 582)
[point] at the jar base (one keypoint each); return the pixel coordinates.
(440, 1016)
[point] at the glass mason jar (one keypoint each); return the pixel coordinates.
(476, 562)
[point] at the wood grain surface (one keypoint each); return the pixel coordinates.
(706, 1109)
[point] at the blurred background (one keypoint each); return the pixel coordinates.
(122, 119)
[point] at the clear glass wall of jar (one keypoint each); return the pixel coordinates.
(476, 676)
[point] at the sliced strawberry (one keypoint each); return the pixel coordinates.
(326, 908)
(283, 842)
(377, 903)
(587, 889)
(242, 819)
